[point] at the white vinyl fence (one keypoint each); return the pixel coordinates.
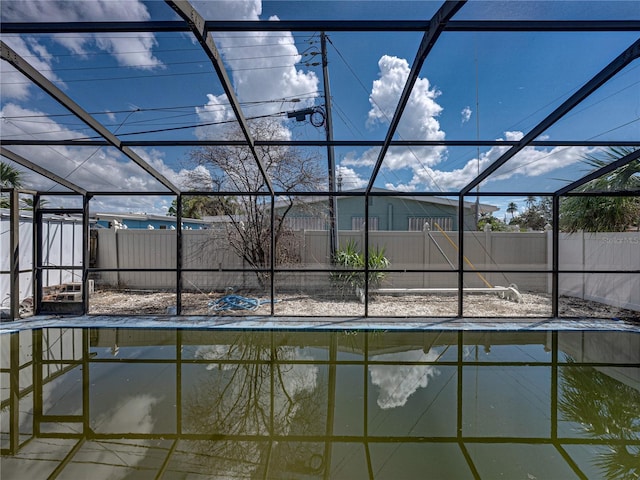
(601, 252)
(62, 247)
(496, 252)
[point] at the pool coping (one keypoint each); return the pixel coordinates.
(317, 323)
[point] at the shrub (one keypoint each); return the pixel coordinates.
(352, 260)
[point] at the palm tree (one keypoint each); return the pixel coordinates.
(512, 208)
(530, 201)
(201, 205)
(10, 178)
(605, 409)
(604, 213)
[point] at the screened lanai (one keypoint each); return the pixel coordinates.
(321, 159)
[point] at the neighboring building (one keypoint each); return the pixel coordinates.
(400, 212)
(143, 220)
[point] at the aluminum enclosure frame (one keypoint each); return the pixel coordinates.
(442, 21)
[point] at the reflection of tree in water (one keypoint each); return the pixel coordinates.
(256, 395)
(606, 409)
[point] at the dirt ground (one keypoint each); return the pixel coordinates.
(412, 305)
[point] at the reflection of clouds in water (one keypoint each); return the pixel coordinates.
(298, 378)
(398, 382)
(131, 415)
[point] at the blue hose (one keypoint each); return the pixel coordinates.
(235, 302)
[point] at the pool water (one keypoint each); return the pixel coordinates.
(222, 404)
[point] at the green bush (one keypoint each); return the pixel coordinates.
(352, 260)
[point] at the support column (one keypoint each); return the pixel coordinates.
(14, 252)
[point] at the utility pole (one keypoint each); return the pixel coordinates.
(328, 124)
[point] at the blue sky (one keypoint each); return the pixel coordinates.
(491, 86)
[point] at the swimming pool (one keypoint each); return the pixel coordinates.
(192, 403)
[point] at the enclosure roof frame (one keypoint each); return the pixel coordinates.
(191, 23)
(9, 55)
(198, 27)
(326, 25)
(608, 72)
(42, 171)
(429, 39)
(442, 21)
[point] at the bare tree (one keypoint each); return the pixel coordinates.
(233, 169)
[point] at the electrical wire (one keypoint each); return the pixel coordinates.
(372, 100)
(90, 171)
(432, 207)
(564, 149)
(185, 108)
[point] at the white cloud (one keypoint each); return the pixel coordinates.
(133, 52)
(130, 49)
(216, 111)
(466, 114)
(418, 122)
(229, 9)
(92, 168)
(398, 382)
(41, 128)
(529, 162)
(15, 84)
(366, 159)
(349, 179)
(263, 67)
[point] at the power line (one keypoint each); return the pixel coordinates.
(169, 108)
(90, 171)
(195, 125)
(552, 153)
(164, 64)
(156, 75)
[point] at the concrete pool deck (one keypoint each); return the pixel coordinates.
(318, 323)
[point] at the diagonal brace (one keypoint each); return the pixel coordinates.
(626, 57)
(621, 162)
(42, 171)
(436, 27)
(198, 27)
(35, 76)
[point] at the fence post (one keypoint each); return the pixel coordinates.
(426, 254)
(488, 252)
(583, 261)
(549, 245)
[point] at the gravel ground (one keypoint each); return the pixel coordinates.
(412, 305)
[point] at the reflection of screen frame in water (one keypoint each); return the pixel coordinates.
(359, 403)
